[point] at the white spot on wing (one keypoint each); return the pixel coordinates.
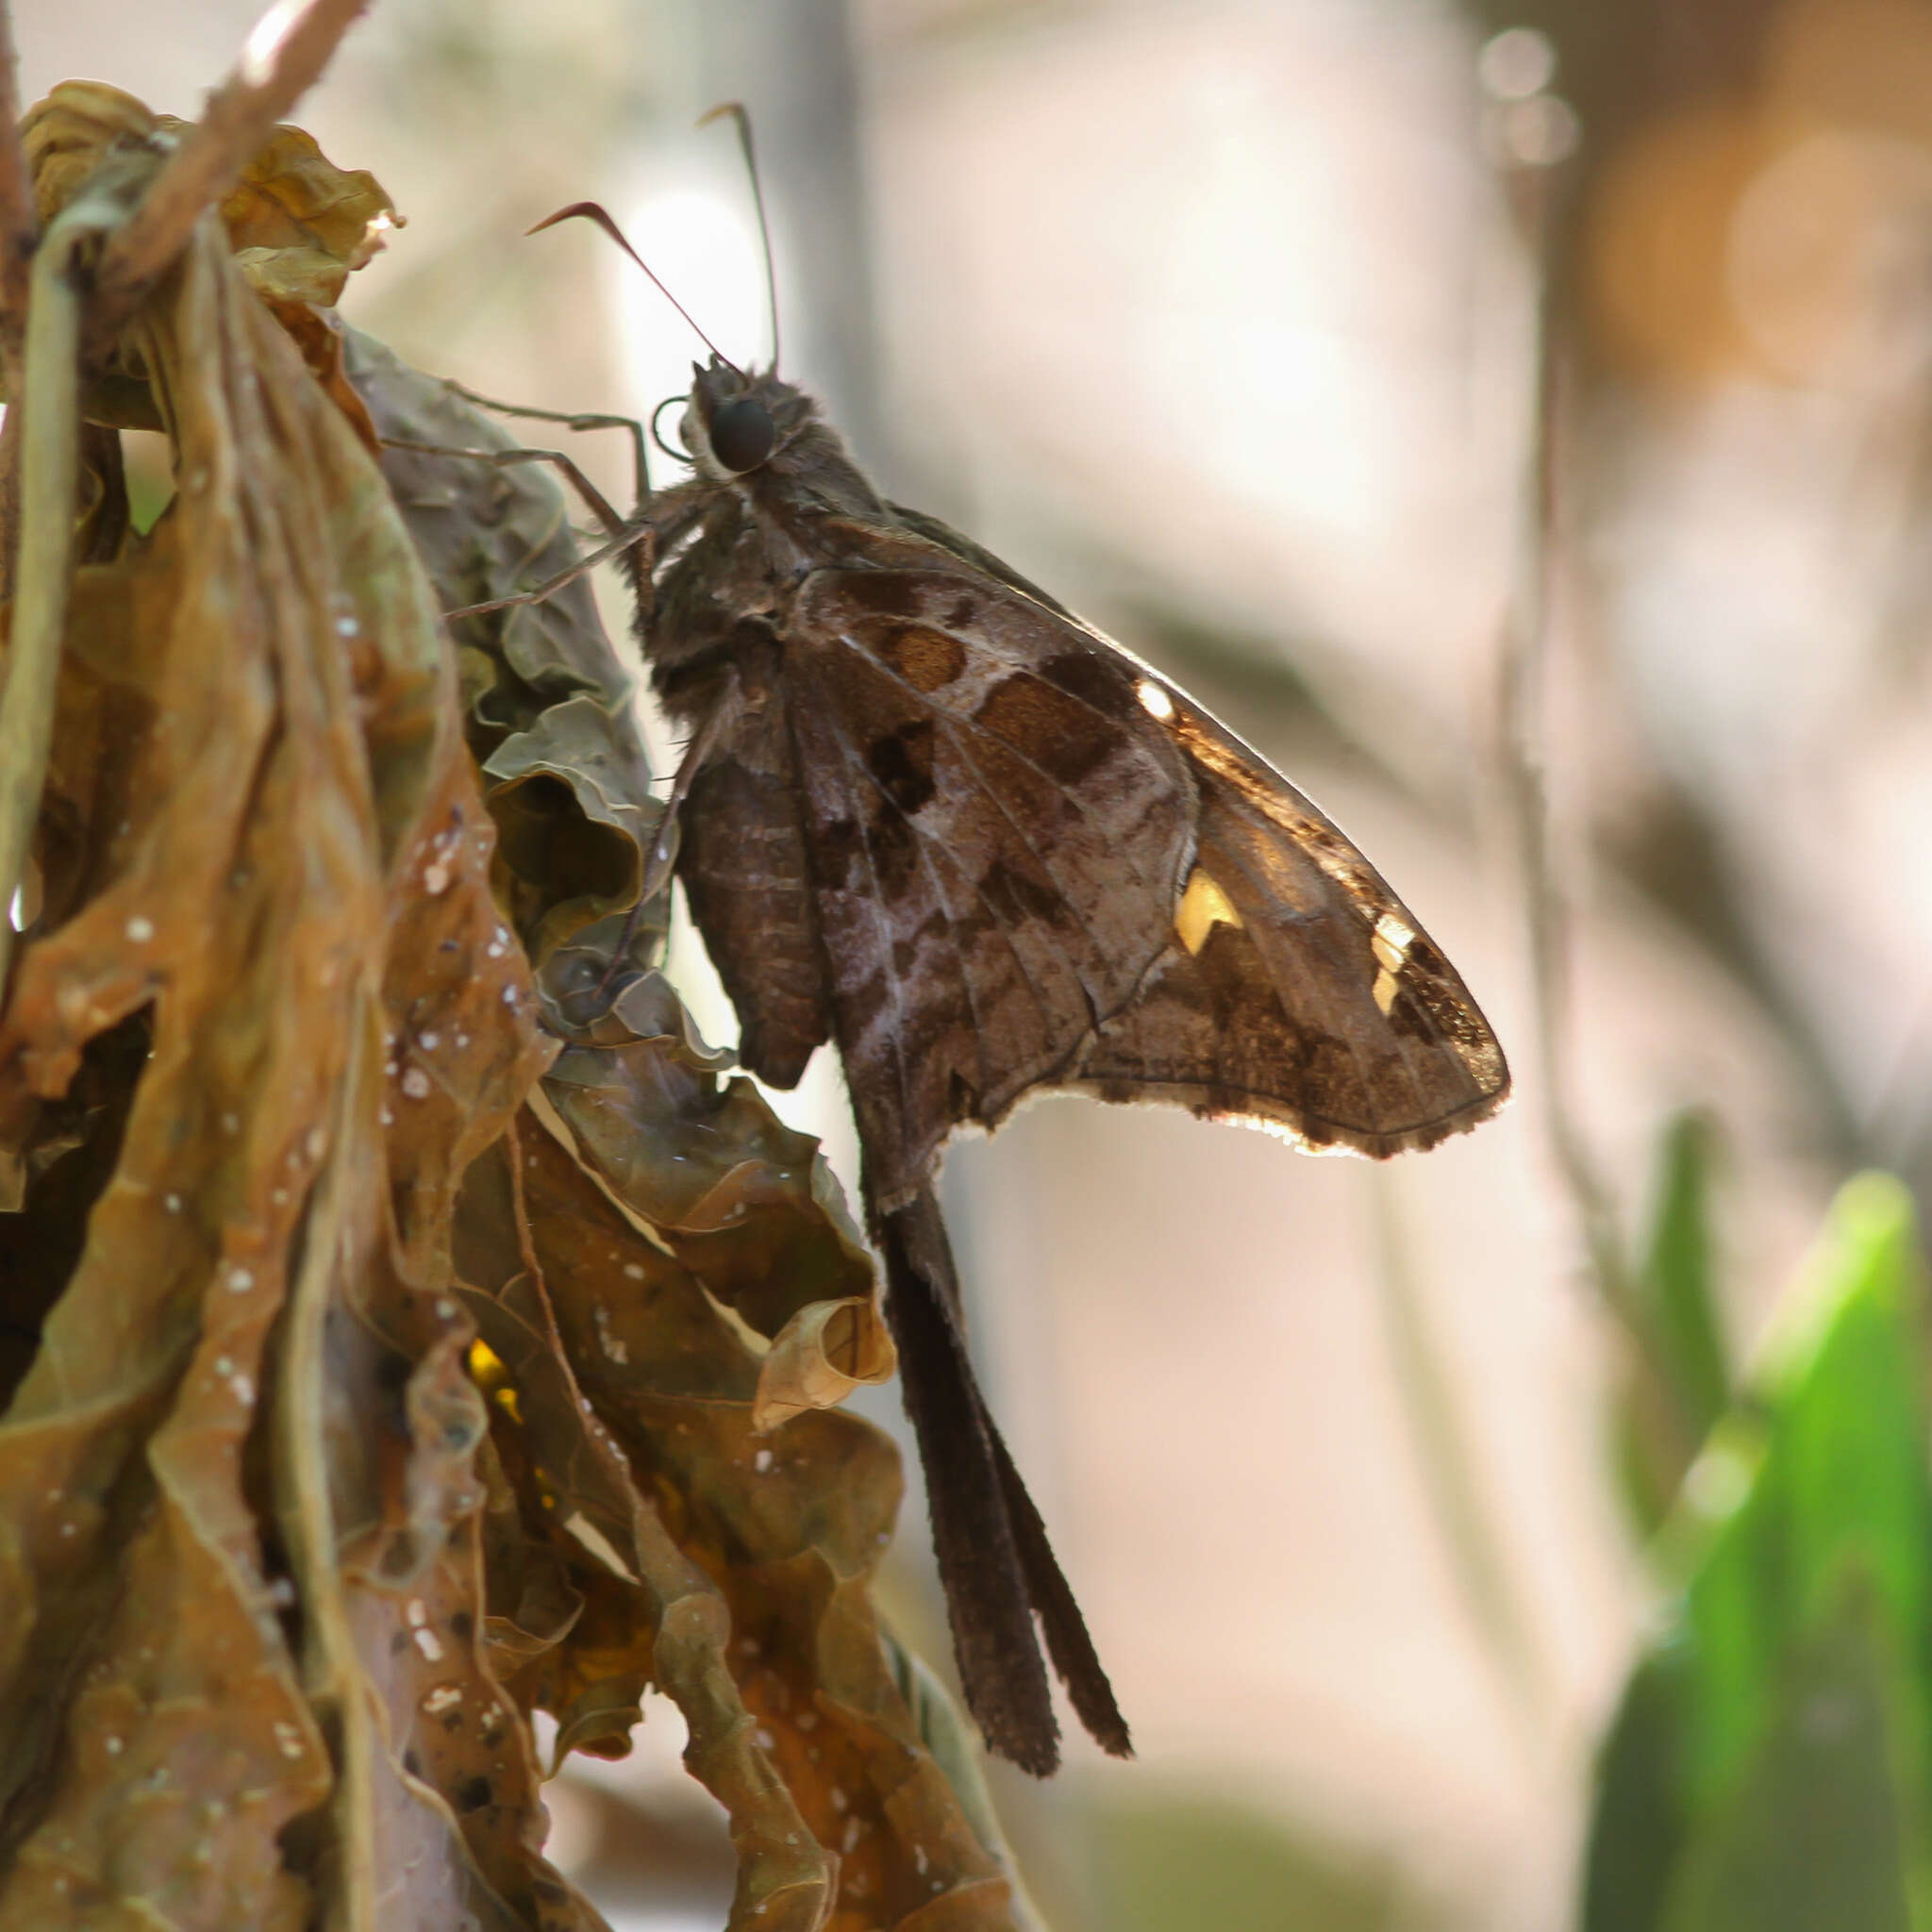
(1153, 701)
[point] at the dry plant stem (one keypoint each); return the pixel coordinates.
(331, 1671)
(284, 56)
(19, 228)
(1448, 1467)
(1524, 656)
(50, 462)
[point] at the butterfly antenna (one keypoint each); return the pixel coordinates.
(736, 112)
(591, 212)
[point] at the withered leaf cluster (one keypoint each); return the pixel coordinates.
(388, 1349)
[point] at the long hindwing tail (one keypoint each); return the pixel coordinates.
(995, 1562)
(1068, 1642)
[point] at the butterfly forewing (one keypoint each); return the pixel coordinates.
(1297, 991)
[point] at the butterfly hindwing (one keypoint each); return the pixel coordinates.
(993, 840)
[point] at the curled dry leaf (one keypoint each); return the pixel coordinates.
(662, 1273)
(239, 1528)
(547, 704)
(299, 226)
(80, 126)
(347, 1423)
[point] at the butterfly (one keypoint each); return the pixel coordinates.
(928, 816)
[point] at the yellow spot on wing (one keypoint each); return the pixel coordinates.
(1389, 942)
(1204, 905)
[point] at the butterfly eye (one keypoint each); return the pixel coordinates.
(742, 434)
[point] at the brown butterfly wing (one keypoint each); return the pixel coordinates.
(1028, 878)
(996, 841)
(1296, 991)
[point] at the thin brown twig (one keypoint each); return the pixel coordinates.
(19, 227)
(283, 58)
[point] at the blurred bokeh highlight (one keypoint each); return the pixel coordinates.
(1514, 422)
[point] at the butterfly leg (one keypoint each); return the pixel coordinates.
(628, 539)
(594, 500)
(995, 1562)
(664, 851)
(641, 469)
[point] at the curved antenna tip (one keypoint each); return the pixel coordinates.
(738, 113)
(595, 211)
(590, 210)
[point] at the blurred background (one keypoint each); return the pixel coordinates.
(1512, 420)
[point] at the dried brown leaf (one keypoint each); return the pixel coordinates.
(298, 224)
(264, 855)
(510, 1420)
(80, 125)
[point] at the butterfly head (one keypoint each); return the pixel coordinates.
(734, 423)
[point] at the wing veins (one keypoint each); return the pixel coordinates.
(876, 909)
(926, 848)
(1045, 864)
(875, 900)
(954, 722)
